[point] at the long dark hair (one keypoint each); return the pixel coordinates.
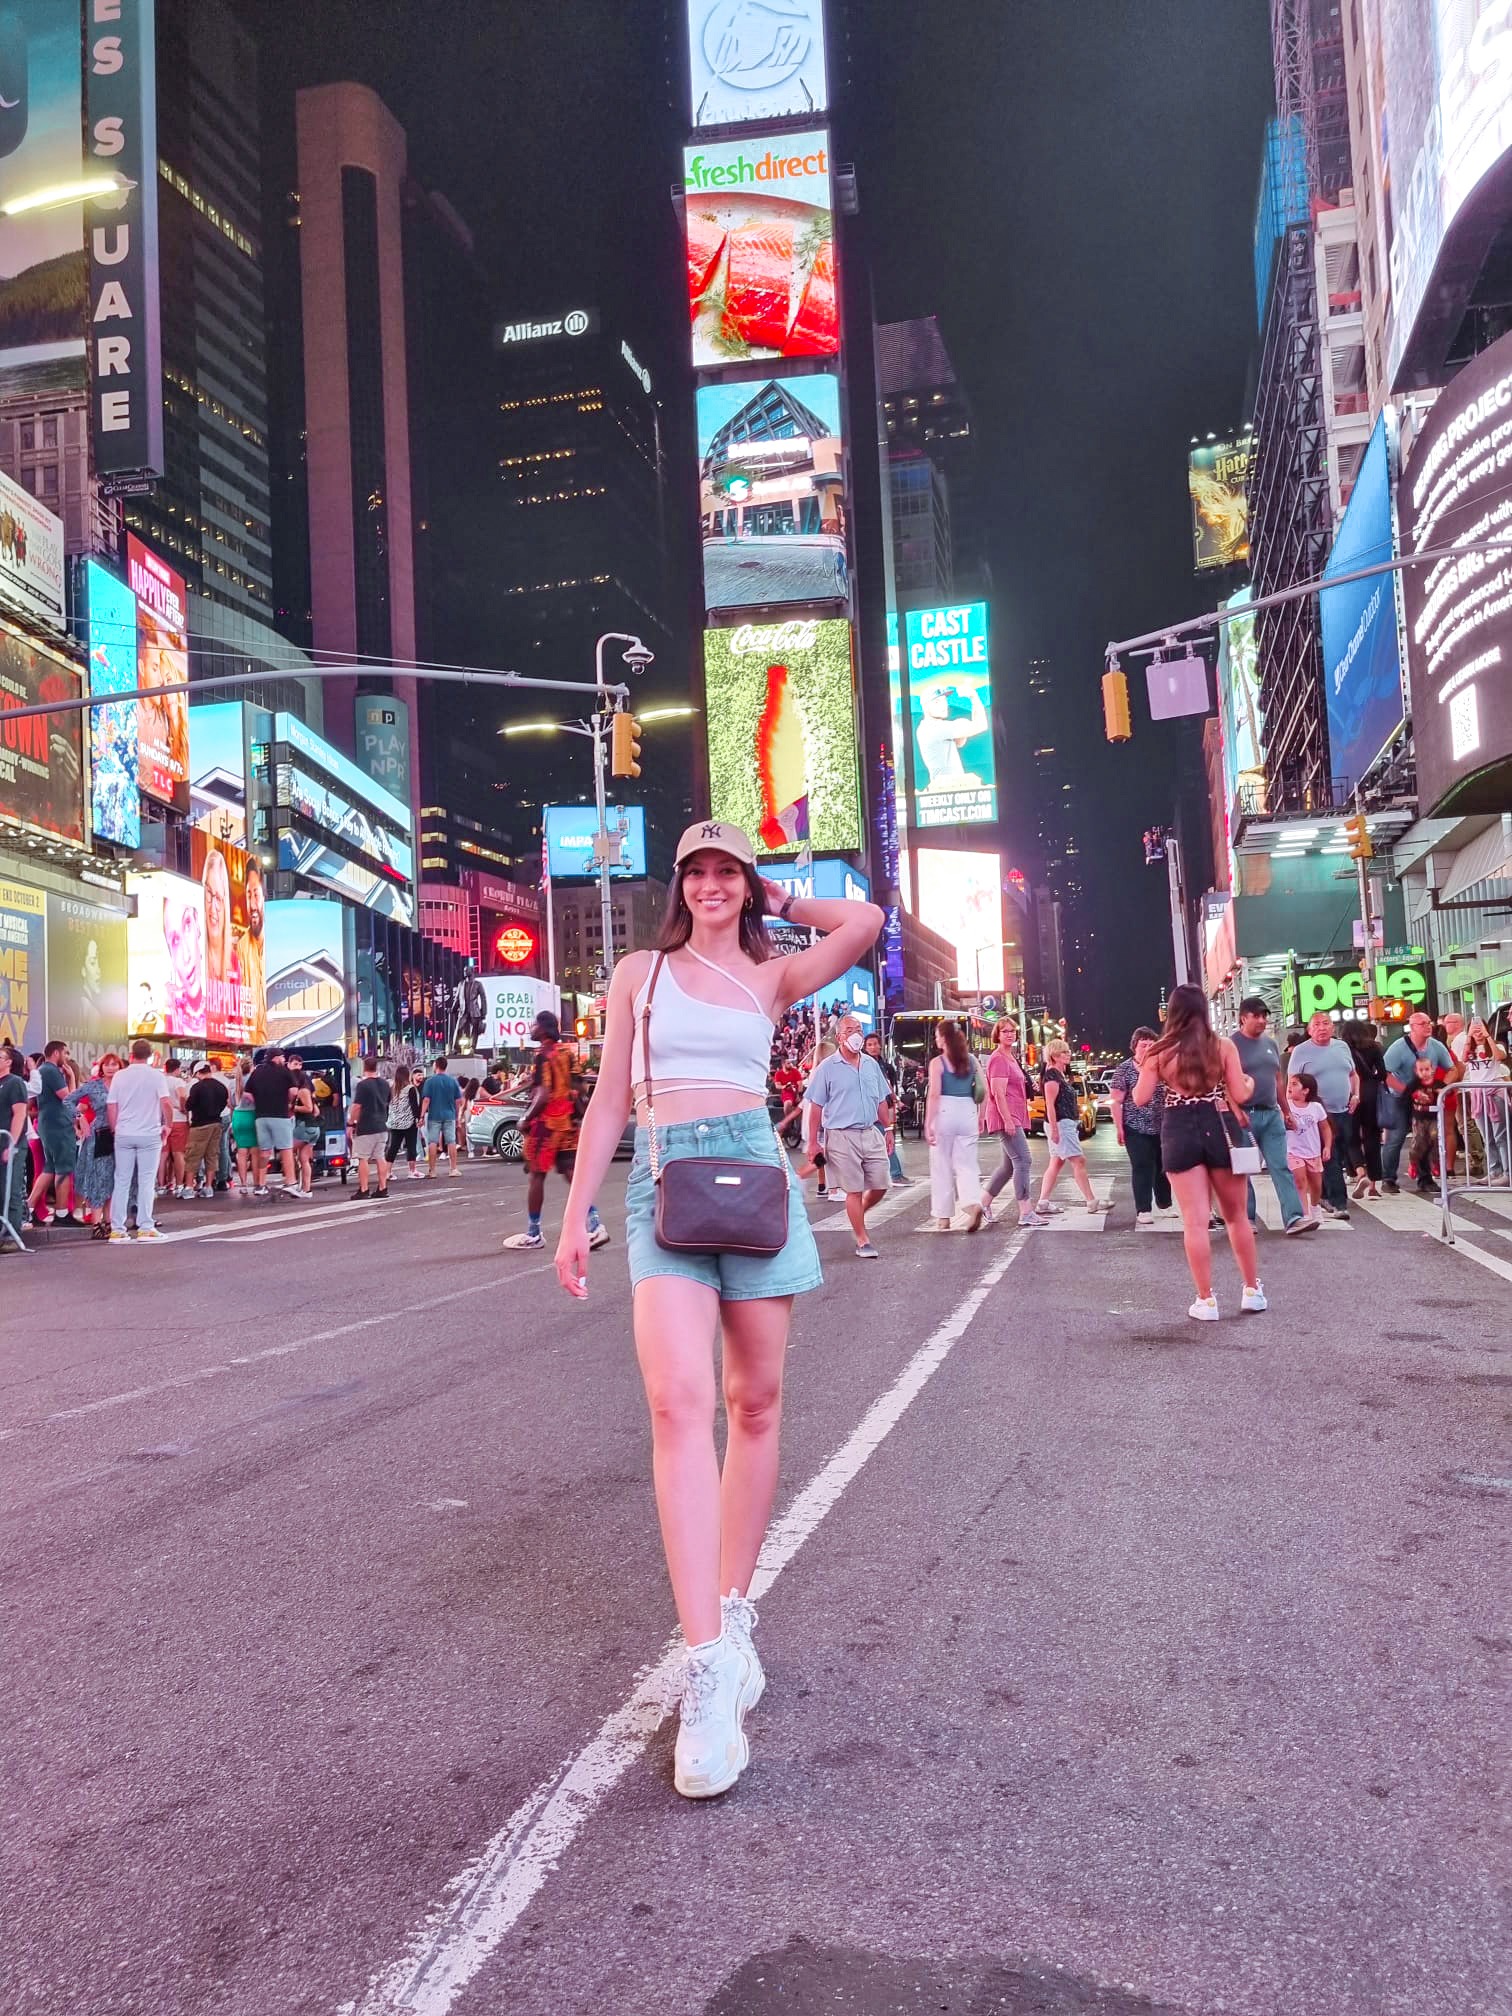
(957, 1056)
(401, 1078)
(1190, 1042)
(677, 919)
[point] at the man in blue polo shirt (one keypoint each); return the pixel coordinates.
(1418, 1040)
(850, 1095)
(1328, 1059)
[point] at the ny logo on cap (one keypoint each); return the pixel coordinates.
(713, 831)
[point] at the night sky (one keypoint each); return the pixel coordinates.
(1070, 188)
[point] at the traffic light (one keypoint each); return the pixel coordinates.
(580, 1027)
(624, 746)
(1116, 706)
(1360, 848)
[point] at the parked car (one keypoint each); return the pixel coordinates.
(494, 1124)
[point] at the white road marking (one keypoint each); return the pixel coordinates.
(292, 1231)
(111, 1400)
(894, 1202)
(1492, 1262)
(485, 1899)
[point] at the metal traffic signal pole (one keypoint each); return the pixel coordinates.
(637, 657)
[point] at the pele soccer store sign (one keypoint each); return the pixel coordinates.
(125, 343)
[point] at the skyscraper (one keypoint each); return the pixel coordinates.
(939, 537)
(1066, 939)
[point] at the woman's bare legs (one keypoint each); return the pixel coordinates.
(674, 1342)
(1078, 1168)
(755, 1353)
(1194, 1198)
(1052, 1176)
(1230, 1191)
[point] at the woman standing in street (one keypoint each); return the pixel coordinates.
(1370, 1065)
(1063, 1130)
(94, 1172)
(1139, 1132)
(1201, 1077)
(950, 1128)
(1005, 1116)
(404, 1121)
(688, 1044)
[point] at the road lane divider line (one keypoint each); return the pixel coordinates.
(202, 1372)
(487, 1897)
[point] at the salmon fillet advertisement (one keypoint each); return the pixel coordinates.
(761, 250)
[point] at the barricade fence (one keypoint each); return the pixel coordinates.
(1476, 1121)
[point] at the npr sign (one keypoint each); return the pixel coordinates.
(125, 334)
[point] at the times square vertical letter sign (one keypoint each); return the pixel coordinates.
(125, 337)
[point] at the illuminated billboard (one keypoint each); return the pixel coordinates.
(165, 956)
(31, 556)
(42, 282)
(235, 908)
(316, 862)
(755, 60)
(290, 729)
(325, 807)
(761, 249)
(949, 688)
(162, 660)
(961, 897)
(1445, 128)
(218, 769)
(772, 492)
(42, 757)
(114, 780)
(1239, 707)
(308, 987)
(1218, 481)
(1459, 611)
(569, 840)
(784, 763)
(1362, 657)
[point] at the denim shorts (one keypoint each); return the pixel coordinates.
(1068, 1142)
(734, 1277)
(442, 1133)
(273, 1134)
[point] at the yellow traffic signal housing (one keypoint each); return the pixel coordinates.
(624, 746)
(1115, 687)
(1360, 847)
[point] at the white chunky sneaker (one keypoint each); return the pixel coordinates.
(740, 1621)
(711, 1746)
(1204, 1309)
(1254, 1300)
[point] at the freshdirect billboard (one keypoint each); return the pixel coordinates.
(1455, 492)
(1362, 658)
(162, 598)
(1218, 481)
(756, 60)
(115, 775)
(761, 249)
(949, 673)
(772, 492)
(783, 757)
(569, 841)
(42, 283)
(961, 897)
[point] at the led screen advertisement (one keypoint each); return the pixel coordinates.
(218, 769)
(784, 763)
(753, 60)
(309, 992)
(1454, 492)
(87, 976)
(514, 1001)
(761, 249)
(299, 854)
(1239, 706)
(23, 942)
(1218, 480)
(235, 907)
(114, 771)
(31, 556)
(949, 687)
(290, 729)
(1445, 126)
(162, 660)
(961, 897)
(324, 806)
(1362, 660)
(772, 492)
(165, 956)
(42, 284)
(42, 757)
(569, 841)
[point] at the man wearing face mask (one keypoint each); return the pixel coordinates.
(850, 1098)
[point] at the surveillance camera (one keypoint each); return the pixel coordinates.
(638, 657)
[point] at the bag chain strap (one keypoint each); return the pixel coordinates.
(653, 1152)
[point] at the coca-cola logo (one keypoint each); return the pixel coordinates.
(773, 639)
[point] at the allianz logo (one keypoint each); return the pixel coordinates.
(574, 324)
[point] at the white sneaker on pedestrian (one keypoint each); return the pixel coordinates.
(523, 1242)
(740, 1621)
(711, 1744)
(1204, 1309)
(148, 1232)
(1254, 1302)
(1144, 1218)
(293, 1190)
(205, 1190)
(416, 1175)
(867, 1252)
(598, 1237)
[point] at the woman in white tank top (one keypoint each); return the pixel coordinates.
(717, 995)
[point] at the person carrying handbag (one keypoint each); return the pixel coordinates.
(718, 1239)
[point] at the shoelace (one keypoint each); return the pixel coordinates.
(700, 1684)
(743, 1614)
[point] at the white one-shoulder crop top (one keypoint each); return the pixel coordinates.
(701, 1046)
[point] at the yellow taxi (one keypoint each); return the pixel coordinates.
(1086, 1109)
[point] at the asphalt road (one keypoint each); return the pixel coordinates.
(1115, 1664)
